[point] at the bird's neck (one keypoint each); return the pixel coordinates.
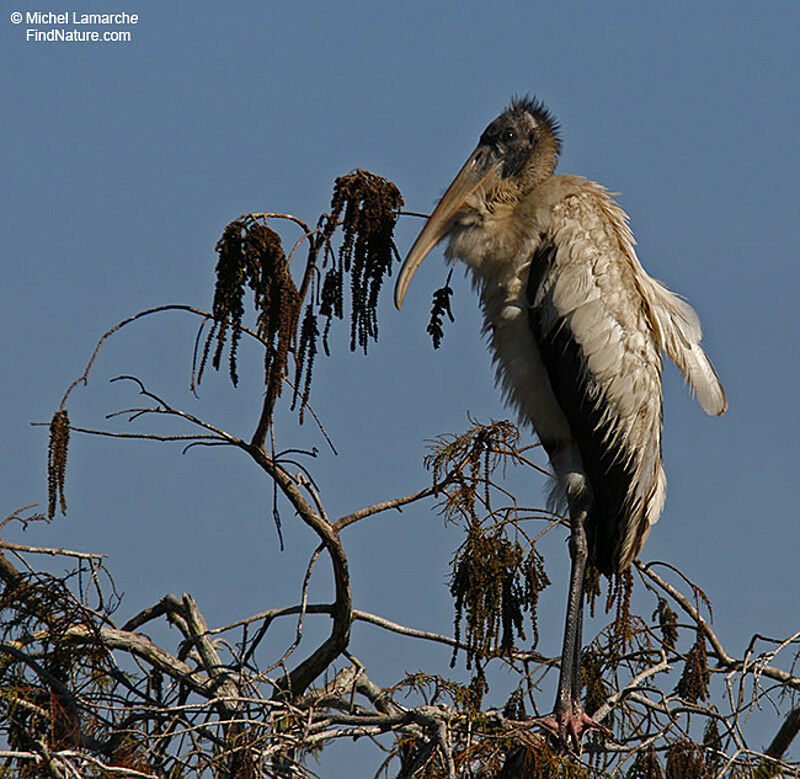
(495, 241)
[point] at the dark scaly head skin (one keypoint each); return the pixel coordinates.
(515, 153)
(525, 139)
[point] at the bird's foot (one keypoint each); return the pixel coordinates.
(569, 725)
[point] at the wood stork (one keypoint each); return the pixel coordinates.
(576, 328)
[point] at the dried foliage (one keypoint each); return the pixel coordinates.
(645, 766)
(693, 684)
(685, 761)
(251, 255)
(620, 594)
(482, 745)
(713, 748)
(667, 622)
(541, 761)
(364, 209)
(498, 573)
(92, 697)
(462, 466)
(307, 351)
(439, 307)
(595, 689)
(57, 462)
(434, 690)
(367, 207)
(494, 582)
(50, 684)
(515, 706)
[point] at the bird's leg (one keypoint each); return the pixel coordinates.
(569, 719)
(578, 643)
(569, 677)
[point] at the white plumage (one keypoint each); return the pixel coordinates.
(577, 328)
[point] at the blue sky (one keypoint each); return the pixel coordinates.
(123, 162)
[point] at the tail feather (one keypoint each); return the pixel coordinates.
(681, 333)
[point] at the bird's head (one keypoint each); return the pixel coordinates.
(515, 153)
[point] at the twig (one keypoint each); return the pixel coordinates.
(50, 551)
(396, 503)
(58, 688)
(726, 660)
(637, 680)
(140, 436)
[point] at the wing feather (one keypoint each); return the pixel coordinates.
(602, 356)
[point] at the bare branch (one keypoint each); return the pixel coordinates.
(634, 684)
(332, 647)
(143, 648)
(211, 660)
(396, 503)
(726, 660)
(50, 551)
(785, 736)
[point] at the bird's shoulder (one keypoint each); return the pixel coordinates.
(583, 264)
(576, 211)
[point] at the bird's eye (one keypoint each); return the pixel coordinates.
(508, 136)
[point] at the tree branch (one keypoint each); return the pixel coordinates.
(785, 736)
(50, 551)
(725, 660)
(305, 673)
(211, 659)
(396, 503)
(143, 648)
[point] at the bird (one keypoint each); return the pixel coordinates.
(576, 329)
